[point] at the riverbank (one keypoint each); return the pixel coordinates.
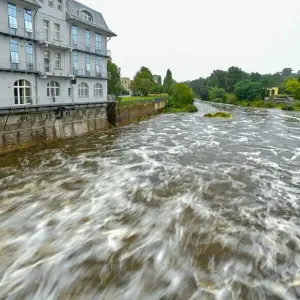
(23, 127)
(294, 106)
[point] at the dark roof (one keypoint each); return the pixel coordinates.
(73, 11)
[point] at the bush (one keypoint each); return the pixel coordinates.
(249, 90)
(181, 95)
(217, 94)
(231, 98)
(288, 107)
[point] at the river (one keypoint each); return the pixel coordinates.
(175, 207)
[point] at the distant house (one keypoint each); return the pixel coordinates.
(274, 91)
(125, 81)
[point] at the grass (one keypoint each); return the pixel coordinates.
(139, 98)
(220, 114)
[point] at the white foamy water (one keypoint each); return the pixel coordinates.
(176, 207)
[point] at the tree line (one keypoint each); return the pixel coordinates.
(143, 83)
(245, 86)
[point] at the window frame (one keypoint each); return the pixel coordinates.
(46, 36)
(74, 35)
(83, 90)
(87, 38)
(75, 55)
(24, 87)
(57, 31)
(57, 60)
(52, 3)
(13, 25)
(87, 65)
(98, 46)
(86, 16)
(29, 54)
(98, 64)
(47, 66)
(53, 89)
(98, 90)
(28, 23)
(59, 4)
(14, 53)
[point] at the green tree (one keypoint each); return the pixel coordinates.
(286, 72)
(143, 82)
(168, 81)
(292, 87)
(159, 80)
(217, 94)
(181, 95)
(114, 82)
(250, 90)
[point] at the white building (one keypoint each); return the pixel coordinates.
(52, 51)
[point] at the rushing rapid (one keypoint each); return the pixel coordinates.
(175, 207)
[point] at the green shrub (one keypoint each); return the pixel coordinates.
(231, 98)
(220, 114)
(288, 107)
(181, 95)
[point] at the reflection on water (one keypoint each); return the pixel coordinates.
(177, 207)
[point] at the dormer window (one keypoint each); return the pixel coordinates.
(85, 15)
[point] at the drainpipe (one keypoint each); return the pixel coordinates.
(71, 63)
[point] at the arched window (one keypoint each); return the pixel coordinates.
(98, 90)
(83, 90)
(53, 89)
(22, 92)
(85, 15)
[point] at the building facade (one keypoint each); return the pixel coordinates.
(52, 51)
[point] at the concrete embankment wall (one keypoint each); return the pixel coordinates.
(28, 126)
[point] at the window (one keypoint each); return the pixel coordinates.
(83, 90)
(87, 39)
(98, 64)
(46, 30)
(28, 20)
(69, 92)
(42, 1)
(57, 60)
(22, 92)
(85, 15)
(14, 54)
(98, 90)
(98, 43)
(87, 65)
(53, 89)
(12, 18)
(75, 63)
(47, 61)
(57, 31)
(50, 3)
(74, 35)
(59, 4)
(29, 56)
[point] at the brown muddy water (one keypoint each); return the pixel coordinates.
(175, 207)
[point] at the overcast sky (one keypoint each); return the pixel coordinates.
(194, 37)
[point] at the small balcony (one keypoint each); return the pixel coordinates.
(17, 66)
(18, 31)
(83, 73)
(54, 70)
(49, 41)
(82, 47)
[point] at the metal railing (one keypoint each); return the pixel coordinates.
(21, 65)
(19, 101)
(81, 46)
(92, 73)
(54, 40)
